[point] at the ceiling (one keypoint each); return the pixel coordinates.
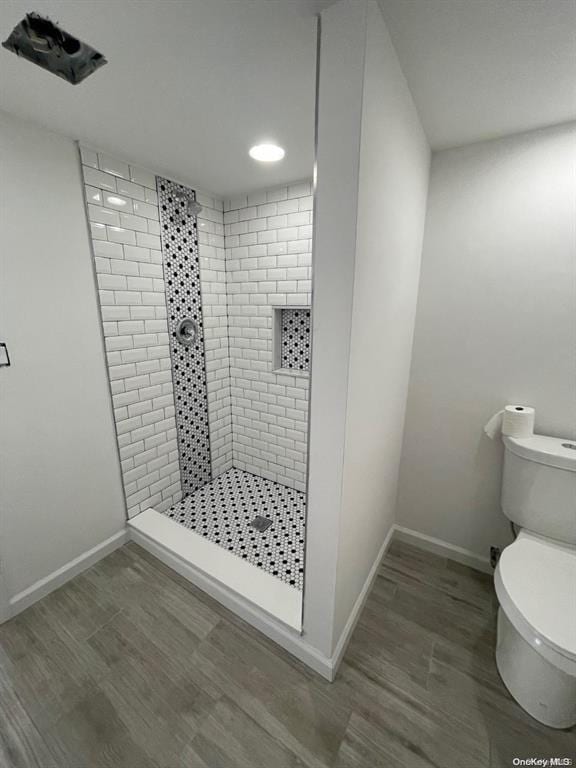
(479, 69)
(190, 85)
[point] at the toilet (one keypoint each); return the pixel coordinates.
(535, 579)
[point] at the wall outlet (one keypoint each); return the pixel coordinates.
(494, 556)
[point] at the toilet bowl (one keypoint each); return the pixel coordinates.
(535, 579)
(536, 647)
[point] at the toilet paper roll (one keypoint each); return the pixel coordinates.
(518, 421)
(513, 421)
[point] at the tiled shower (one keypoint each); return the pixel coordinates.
(211, 413)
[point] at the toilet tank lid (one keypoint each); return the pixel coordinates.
(553, 451)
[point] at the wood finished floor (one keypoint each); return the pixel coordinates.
(129, 666)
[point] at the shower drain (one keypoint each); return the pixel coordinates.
(261, 523)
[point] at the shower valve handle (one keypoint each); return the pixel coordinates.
(187, 332)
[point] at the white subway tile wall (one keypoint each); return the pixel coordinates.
(124, 221)
(255, 254)
(268, 239)
(215, 313)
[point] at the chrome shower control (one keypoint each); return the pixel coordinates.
(187, 331)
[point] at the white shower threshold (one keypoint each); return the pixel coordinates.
(215, 570)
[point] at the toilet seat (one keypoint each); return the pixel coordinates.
(535, 583)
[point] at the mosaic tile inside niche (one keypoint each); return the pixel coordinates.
(295, 339)
(179, 237)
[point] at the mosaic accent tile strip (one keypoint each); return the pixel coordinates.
(295, 339)
(222, 511)
(178, 231)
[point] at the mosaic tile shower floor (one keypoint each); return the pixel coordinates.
(222, 510)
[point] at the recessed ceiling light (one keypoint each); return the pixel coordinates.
(267, 153)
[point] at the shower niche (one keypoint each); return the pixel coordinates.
(205, 308)
(291, 334)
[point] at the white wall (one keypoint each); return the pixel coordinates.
(60, 486)
(392, 189)
(373, 163)
(495, 325)
(268, 237)
(339, 114)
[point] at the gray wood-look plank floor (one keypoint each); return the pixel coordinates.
(129, 666)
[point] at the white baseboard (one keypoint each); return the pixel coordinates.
(346, 635)
(4, 601)
(57, 578)
(421, 540)
(289, 639)
(443, 548)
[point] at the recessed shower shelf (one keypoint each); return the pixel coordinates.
(291, 372)
(291, 341)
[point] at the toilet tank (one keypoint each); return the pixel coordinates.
(539, 485)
